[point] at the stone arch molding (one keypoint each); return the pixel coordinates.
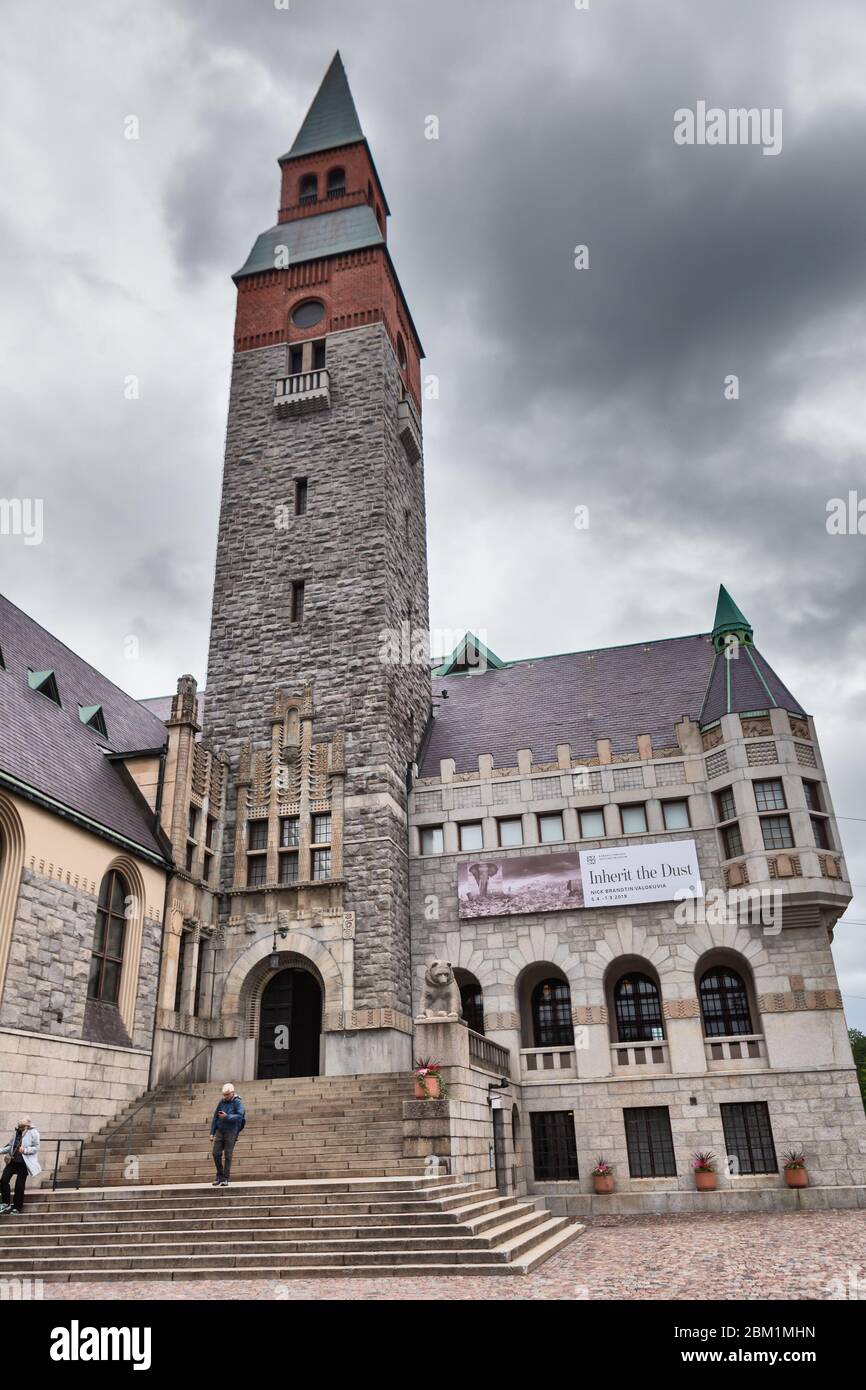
(498, 978)
(11, 864)
(674, 961)
(135, 910)
(248, 975)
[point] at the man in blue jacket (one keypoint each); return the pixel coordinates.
(229, 1119)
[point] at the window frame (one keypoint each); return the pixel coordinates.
(625, 1025)
(758, 1145)
(431, 830)
(105, 911)
(550, 816)
(773, 821)
(676, 801)
(558, 1029)
(591, 811)
(554, 1146)
(779, 791)
(509, 820)
(730, 1015)
(470, 825)
(653, 1148)
(633, 806)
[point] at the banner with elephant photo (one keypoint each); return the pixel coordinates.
(606, 877)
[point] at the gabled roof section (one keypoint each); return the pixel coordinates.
(309, 238)
(469, 655)
(332, 119)
(48, 753)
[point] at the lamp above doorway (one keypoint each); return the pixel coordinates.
(274, 961)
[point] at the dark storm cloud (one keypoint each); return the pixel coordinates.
(557, 387)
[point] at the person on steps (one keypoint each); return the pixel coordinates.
(229, 1119)
(21, 1163)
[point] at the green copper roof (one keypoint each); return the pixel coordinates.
(309, 238)
(332, 119)
(729, 619)
(469, 655)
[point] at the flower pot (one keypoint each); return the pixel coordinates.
(705, 1182)
(796, 1177)
(432, 1092)
(602, 1183)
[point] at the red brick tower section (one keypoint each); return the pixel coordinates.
(330, 198)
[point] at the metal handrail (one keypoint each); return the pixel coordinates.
(150, 1100)
(57, 1182)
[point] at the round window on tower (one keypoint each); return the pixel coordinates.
(308, 314)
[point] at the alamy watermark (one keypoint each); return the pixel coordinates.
(713, 125)
(22, 516)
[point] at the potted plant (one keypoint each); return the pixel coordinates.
(704, 1169)
(795, 1168)
(602, 1177)
(429, 1084)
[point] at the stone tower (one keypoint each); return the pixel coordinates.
(320, 595)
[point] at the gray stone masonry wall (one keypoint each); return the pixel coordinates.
(360, 549)
(49, 962)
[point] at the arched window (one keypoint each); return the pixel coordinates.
(472, 1004)
(551, 1014)
(638, 1009)
(336, 183)
(308, 189)
(401, 352)
(724, 1003)
(109, 939)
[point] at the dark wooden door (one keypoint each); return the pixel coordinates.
(290, 1025)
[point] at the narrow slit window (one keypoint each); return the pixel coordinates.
(298, 601)
(300, 496)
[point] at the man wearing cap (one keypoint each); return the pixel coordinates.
(21, 1163)
(229, 1119)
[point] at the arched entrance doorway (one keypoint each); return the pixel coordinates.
(290, 1025)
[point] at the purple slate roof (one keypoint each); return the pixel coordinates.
(615, 693)
(48, 749)
(737, 686)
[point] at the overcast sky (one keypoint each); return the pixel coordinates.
(558, 387)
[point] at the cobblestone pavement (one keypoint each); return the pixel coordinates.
(806, 1255)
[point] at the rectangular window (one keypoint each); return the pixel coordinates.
(749, 1138)
(550, 828)
(322, 829)
(821, 832)
(676, 814)
(321, 863)
(190, 855)
(510, 832)
(257, 869)
(725, 806)
(198, 997)
(289, 867)
(300, 496)
(650, 1143)
(812, 793)
(193, 822)
(318, 355)
(181, 963)
(206, 867)
(732, 841)
(296, 360)
(554, 1149)
(633, 819)
(297, 600)
(776, 831)
(770, 795)
(592, 825)
(290, 832)
(209, 832)
(470, 835)
(257, 834)
(431, 839)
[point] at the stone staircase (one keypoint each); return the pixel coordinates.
(308, 1127)
(373, 1228)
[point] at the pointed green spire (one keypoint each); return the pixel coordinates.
(332, 119)
(729, 620)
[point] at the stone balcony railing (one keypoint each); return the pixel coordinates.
(302, 393)
(643, 1057)
(409, 428)
(547, 1063)
(488, 1055)
(745, 1050)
